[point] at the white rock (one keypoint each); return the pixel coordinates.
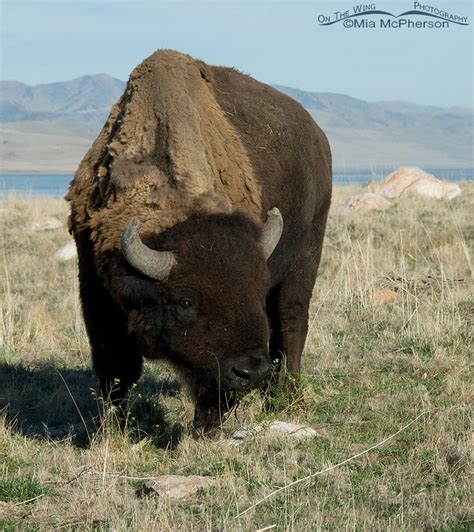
(175, 486)
(44, 224)
(414, 180)
(367, 201)
(296, 431)
(66, 252)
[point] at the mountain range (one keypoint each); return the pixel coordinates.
(48, 128)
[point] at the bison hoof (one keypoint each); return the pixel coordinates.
(206, 421)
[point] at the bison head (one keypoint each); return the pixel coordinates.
(200, 300)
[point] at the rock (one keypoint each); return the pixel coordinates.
(406, 180)
(414, 180)
(66, 252)
(294, 430)
(243, 433)
(175, 486)
(367, 201)
(44, 224)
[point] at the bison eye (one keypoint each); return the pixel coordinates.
(186, 302)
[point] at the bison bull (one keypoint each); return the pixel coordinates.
(199, 215)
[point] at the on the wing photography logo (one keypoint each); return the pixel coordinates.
(422, 16)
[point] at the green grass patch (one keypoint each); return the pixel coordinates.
(20, 489)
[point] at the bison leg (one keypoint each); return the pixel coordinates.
(116, 362)
(115, 358)
(287, 308)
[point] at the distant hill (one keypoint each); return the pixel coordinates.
(384, 134)
(88, 95)
(47, 128)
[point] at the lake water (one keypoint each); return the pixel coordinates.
(57, 185)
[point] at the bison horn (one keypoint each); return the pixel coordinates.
(154, 264)
(272, 231)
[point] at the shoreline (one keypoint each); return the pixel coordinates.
(6, 195)
(54, 185)
(370, 172)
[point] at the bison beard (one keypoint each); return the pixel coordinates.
(183, 254)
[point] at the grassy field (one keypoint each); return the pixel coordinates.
(390, 338)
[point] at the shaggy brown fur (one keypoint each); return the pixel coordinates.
(186, 146)
(165, 150)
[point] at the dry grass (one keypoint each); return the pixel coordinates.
(369, 368)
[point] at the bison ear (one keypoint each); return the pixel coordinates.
(154, 264)
(135, 292)
(271, 232)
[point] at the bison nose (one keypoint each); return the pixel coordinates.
(241, 373)
(251, 369)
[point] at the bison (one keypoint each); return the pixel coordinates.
(199, 215)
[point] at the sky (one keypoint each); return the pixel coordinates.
(274, 41)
